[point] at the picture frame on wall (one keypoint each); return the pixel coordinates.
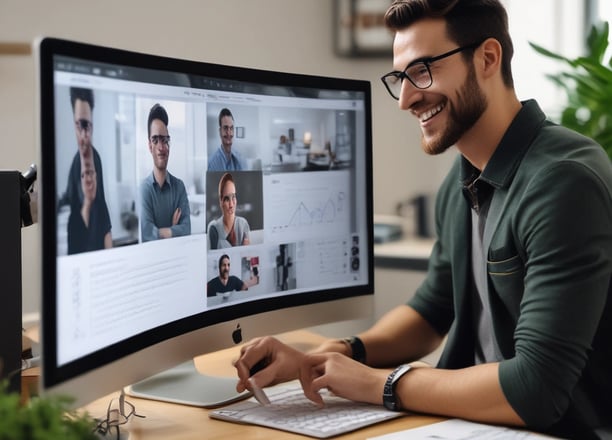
(359, 29)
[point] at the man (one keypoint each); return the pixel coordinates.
(519, 277)
(82, 101)
(226, 282)
(87, 230)
(224, 159)
(165, 207)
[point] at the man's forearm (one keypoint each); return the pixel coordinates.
(401, 335)
(472, 393)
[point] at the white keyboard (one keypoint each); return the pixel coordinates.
(291, 411)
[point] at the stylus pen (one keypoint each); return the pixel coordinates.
(258, 392)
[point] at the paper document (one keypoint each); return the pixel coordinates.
(457, 429)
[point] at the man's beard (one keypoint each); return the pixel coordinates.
(471, 105)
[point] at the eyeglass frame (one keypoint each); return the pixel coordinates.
(115, 417)
(156, 138)
(427, 61)
(227, 197)
(83, 125)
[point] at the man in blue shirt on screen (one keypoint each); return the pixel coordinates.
(164, 204)
(224, 159)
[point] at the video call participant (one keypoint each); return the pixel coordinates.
(224, 159)
(229, 229)
(165, 207)
(519, 277)
(87, 229)
(226, 282)
(82, 102)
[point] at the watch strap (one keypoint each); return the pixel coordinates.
(389, 396)
(358, 351)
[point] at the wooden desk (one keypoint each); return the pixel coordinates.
(180, 422)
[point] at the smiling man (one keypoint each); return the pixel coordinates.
(164, 204)
(225, 158)
(519, 277)
(226, 282)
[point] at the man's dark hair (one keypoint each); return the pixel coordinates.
(221, 258)
(225, 112)
(467, 22)
(81, 94)
(157, 112)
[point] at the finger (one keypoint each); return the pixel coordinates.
(253, 358)
(312, 393)
(313, 379)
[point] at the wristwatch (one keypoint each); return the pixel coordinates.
(358, 352)
(389, 397)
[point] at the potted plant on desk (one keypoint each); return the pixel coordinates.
(588, 86)
(46, 418)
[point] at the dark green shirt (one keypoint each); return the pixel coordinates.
(548, 246)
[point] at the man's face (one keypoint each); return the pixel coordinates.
(228, 200)
(83, 126)
(159, 144)
(226, 131)
(454, 102)
(224, 269)
(88, 178)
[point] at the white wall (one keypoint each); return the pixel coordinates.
(288, 35)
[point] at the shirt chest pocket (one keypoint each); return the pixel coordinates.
(506, 274)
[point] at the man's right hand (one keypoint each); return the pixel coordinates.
(277, 361)
(176, 217)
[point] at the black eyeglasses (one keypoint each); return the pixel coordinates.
(418, 72)
(118, 413)
(231, 196)
(83, 125)
(165, 140)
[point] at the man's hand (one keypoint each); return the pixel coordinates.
(280, 363)
(342, 376)
(176, 216)
(167, 232)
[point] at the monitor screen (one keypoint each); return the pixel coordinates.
(184, 202)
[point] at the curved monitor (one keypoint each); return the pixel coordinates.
(185, 202)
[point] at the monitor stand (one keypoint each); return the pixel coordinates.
(184, 384)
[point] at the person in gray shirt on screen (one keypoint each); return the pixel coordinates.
(224, 159)
(164, 204)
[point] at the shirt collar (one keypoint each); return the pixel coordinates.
(152, 180)
(510, 152)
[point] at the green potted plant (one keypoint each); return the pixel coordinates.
(588, 86)
(48, 418)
